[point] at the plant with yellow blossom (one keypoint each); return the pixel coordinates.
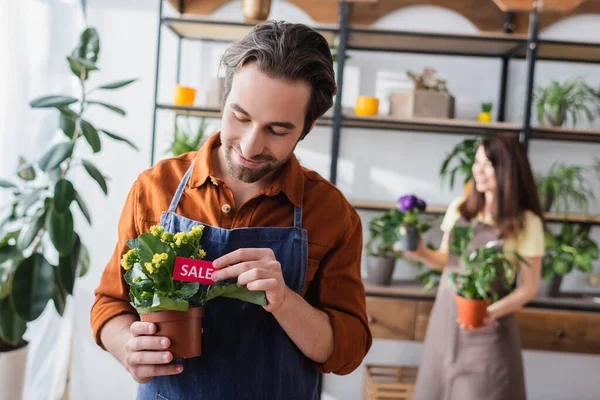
(149, 269)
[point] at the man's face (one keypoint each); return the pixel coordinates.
(262, 122)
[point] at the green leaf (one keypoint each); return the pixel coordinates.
(150, 245)
(164, 303)
(132, 243)
(83, 207)
(78, 65)
(52, 101)
(31, 229)
(30, 199)
(67, 124)
(119, 138)
(64, 194)
(7, 184)
(188, 289)
(25, 170)
(67, 265)
(89, 45)
(116, 85)
(96, 175)
(59, 295)
(91, 135)
(84, 260)
(116, 109)
(32, 287)
(56, 155)
(12, 327)
(55, 174)
(232, 290)
(60, 229)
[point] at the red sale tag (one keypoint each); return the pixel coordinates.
(190, 270)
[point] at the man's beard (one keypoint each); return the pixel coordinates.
(251, 175)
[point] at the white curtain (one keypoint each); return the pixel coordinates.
(35, 35)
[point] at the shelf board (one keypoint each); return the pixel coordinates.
(555, 50)
(213, 112)
(442, 125)
(566, 134)
(224, 31)
(438, 210)
(479, 45)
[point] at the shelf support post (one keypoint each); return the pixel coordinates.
(532, 44)
(153, 142)
(337, 108)
(509, 27)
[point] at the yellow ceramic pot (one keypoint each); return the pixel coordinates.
(484, 117)
(183, 95)
(366, 105)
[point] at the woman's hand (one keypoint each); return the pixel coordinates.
(488, 321)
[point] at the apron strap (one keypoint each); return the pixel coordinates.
(181, 188)
(297, 217)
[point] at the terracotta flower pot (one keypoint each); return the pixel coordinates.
(183, 328)
(471, 312)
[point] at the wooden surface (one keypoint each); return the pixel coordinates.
(561, 6)
(391, 318)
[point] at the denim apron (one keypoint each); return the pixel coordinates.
(245, 352)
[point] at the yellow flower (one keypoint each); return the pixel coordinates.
(157, 230)
(195, 233)
(137, 279)
(126, 266)
(201, 253)
(180, 238)
(167, 237)
(149, 267)
(159, 258)
(129, 258)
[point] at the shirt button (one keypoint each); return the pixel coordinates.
(226, 208)
(214, 181)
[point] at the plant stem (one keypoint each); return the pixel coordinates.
(76, 133)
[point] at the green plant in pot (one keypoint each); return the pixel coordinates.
(460, 162)
(559, 101)
(564, 186)
(41, 252)
(490, 271)
(412, 222)
(381, 256)
(174, 299)
(571, 248)
(185, 140)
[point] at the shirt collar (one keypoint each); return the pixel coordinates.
(290, 180)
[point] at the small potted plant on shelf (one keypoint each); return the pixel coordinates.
(412, 222)
(489, 270)
(558, 101)
(429, 99)
(485, 115)
(184, 140)
(564, 186)
(170, 286)
(460, 162)
(571, 248)
(381, 256)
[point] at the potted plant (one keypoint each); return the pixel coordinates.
(564, 186)
(412, 222)
(184, 140)
(489, 269)
(571, 248)
(175, 299)
(559, 100)
(41, 253)
(381, 256)
(485, 115)
(460, 162)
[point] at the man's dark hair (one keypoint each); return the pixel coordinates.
(293, 52)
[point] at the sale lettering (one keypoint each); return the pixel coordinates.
(191, 270)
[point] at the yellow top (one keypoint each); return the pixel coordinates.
(529, 243)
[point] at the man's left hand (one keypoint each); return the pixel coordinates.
(257, 269)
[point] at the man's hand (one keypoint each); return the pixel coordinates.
(257, 269)
(145, 354)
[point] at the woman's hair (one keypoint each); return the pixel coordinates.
(515, 191)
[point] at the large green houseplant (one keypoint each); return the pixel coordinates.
(571, 248)
(459, 161)
(41, 253)
(565, 186)
(560, 101)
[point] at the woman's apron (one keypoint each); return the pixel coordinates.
(463, 365)
(245, 352)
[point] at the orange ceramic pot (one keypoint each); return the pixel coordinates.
(183, 95)
(366, 106)
(471, 312)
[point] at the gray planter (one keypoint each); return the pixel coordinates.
(554, 116)
(550, 288)
(380, 270)
(409, 240)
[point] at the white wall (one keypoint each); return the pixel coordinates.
(389, 163)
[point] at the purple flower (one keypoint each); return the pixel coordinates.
(408, 202)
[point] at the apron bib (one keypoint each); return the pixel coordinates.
(245, 352)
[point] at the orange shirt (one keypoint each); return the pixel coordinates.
(333, 283)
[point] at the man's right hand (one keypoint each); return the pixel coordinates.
(146, 354)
